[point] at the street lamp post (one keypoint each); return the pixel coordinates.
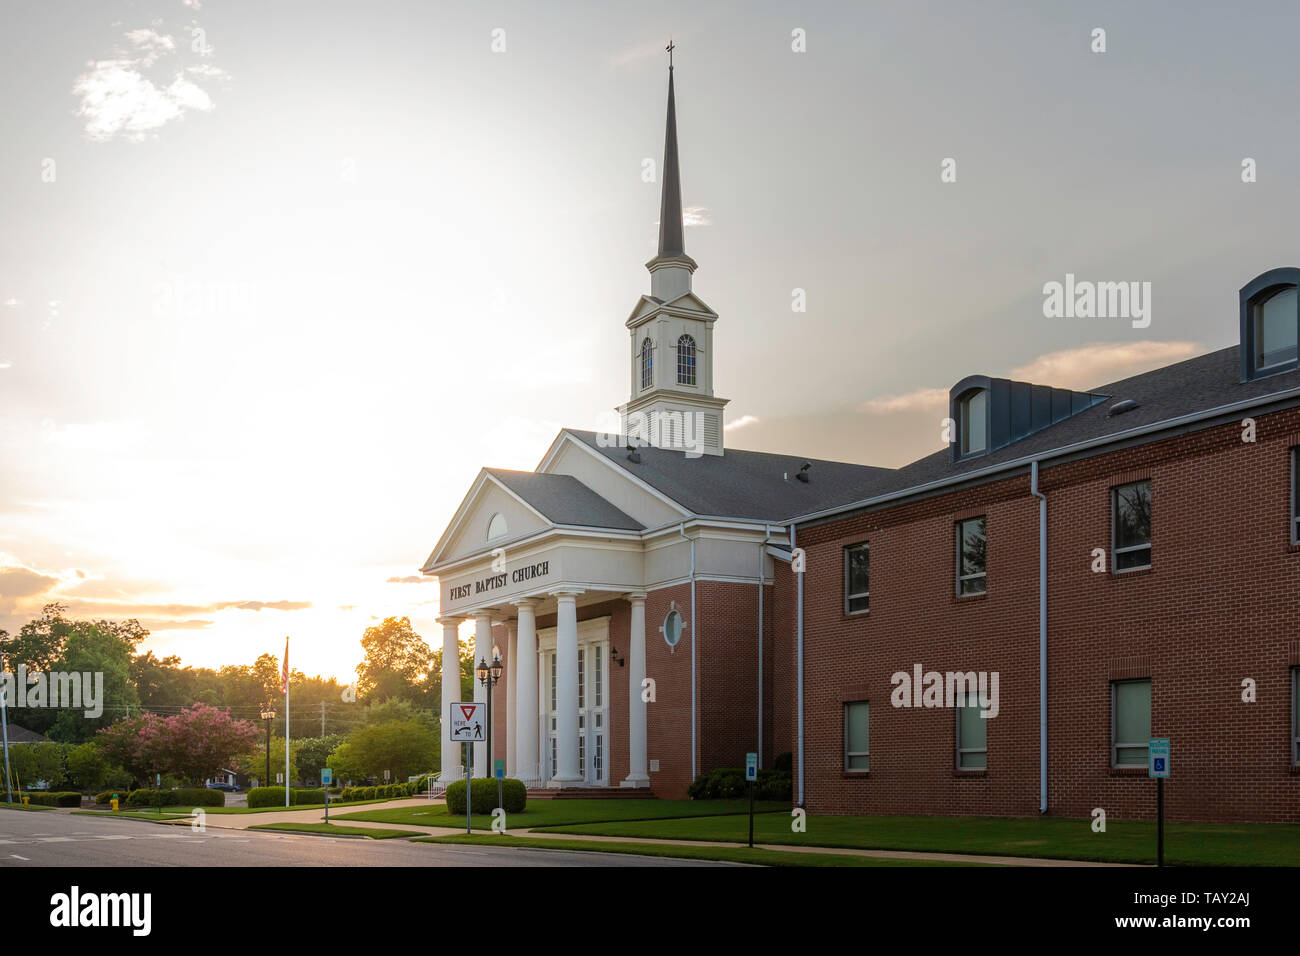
(488, 677)
(268, 715)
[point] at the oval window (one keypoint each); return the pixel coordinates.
(497, 526)
(673, 628)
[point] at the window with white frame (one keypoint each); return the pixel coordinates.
(1130, 722)
(972, 737)
(1295, 715)
(972, 425)
(857, 753)
(1131, 526)
(1274, 317)
(971, 556)
(857, 579)
(647, 363)
(1295, 495)
(686, 360)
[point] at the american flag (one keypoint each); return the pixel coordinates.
(284, 671)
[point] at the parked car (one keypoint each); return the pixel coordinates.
(226, 787)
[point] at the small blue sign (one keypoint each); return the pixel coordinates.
(1158, 757)
(499, 766)
(751, 767)
(326, 777)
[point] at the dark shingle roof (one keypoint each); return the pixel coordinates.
(21, 735)
(752, 485)
(1195, 385)
(563, 499)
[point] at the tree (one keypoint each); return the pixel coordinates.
(314, 753)
(133, 743)
(92, 649)
(201, 740)
(433, 692)
(253, 762)
(87, 766)
(396, 661)
(403, 747)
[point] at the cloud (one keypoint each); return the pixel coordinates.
(118, 98)
(266, 605)
(639, 52)
(410, 579)
(740, 422)
(923, 399)
(1098, 363)
(1083, 367)
(20, 582)
(155, 625)
(696, 216)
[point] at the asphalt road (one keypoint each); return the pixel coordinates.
(51, 838)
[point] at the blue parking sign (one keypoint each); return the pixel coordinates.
(1158, 757)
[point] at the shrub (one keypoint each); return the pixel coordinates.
(274, 796)
(726, 783)
(484, 790)
(784, 763)
(181, 797)
(55, 798)
(104, 798)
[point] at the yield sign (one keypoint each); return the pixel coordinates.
(468, 722)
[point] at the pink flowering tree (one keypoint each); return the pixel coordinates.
(193, 744)
(202, 740)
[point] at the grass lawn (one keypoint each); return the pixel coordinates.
(546, 813)
(1125, 841)
(741, 854)
(373, 833)
(18, 806)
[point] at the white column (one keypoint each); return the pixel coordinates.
(566, 690)
(523, 664)
(482, 652)
(450, 694)
(638, 773)
(511, 700)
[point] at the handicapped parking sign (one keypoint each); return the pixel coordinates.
(1158, 757)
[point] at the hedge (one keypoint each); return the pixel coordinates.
(274, 796)
(181, 797)
(54, 798)
(105, 797)
(513, 792)
(388, 791)
(726, 783)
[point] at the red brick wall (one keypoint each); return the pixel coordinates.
(1218, 605)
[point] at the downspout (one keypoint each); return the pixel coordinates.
(1042, 636)
(681, 529)
(797, 566)
(762, 563)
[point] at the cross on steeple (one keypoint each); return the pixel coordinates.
(670, 47)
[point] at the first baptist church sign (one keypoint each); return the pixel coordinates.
(494, 581)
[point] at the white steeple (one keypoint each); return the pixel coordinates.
(672, 404)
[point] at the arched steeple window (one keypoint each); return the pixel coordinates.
(647, 363)
(686, 360)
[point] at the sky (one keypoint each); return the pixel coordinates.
(276, 280)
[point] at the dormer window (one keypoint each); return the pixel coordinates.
(972, 424)
(647, 363)
(1270, 323)
(1275, 330)
(686, 360)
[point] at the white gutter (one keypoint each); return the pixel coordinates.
(762, 562)
(682, 531)
(798, 567)
(1064, 450)
(1042, 637)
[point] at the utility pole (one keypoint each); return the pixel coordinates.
(4, 726)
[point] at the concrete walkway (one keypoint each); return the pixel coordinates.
(242, 821)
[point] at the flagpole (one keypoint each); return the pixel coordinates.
(286, 723)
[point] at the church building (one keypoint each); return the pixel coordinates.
(1096, 568)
